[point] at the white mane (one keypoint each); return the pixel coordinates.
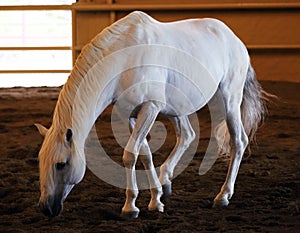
(102, 45)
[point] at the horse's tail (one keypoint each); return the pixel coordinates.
(253, 112)
(253, 108)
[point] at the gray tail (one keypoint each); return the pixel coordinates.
(253, 109)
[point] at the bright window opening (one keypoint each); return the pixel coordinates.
(35, 45)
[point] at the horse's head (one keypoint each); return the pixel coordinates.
(61, 167)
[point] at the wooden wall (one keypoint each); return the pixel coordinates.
(269, 28)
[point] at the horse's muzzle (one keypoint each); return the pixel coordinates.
(51, 207)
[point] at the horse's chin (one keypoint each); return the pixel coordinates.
(51, 208)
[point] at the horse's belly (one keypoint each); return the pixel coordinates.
(184, 100)
(180, 94)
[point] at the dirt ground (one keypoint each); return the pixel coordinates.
(267, 193)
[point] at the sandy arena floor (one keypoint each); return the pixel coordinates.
(267, 193)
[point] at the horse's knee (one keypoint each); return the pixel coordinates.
(129, 159)
(145, 156)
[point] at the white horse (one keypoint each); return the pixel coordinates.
(126, 57)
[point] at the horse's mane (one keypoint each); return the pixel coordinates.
(99, 47)
(104, 43)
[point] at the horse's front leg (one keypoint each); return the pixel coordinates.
(129, 209)
(155, 187)
(144, 122)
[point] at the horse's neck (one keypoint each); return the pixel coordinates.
(80, 102)
(92, 84)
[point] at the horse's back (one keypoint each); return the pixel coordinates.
(208, 40)
(189, 58)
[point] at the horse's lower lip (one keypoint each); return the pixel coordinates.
(51, 210)
(56, 210)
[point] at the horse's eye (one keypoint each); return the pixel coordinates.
(60, 166)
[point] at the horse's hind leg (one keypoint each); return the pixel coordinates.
(239, 141)
(155, 187)
(185, 135)
(144, 122)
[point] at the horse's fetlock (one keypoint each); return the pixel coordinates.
(132, 193)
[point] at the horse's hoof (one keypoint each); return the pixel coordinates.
(129, 214)
(167, 191)
(159, 207)
(220, 203)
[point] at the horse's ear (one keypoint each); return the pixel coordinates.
(42, 129)
(69, 135)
